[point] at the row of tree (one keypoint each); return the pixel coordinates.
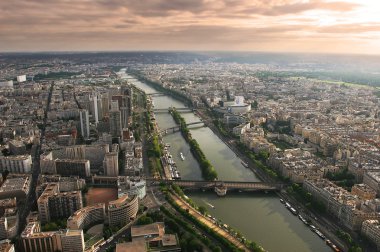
(208, 171)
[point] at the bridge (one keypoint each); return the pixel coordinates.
(230, 185)
(178, 127)
(168, 110)
(156, 94)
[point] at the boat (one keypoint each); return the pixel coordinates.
(303, 219)
(212, 206)
(182, 156)
(332, 246)
(282, 201)
(294, 211)
(221, 190)
(244, 164)
(319, 233)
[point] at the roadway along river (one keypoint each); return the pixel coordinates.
(259, 217)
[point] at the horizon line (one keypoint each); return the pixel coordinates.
(189, 51)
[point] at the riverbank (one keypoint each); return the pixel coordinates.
(208, 171)
(253, 215)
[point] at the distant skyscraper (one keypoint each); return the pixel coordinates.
(114, 105)
(105, 104)
(119, 99)
(111, 164)
(94, 107)
(124, 117)
(115, 123)
(84, 123)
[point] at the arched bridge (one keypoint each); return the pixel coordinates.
(156, 94)
(168, 110)
(230, 185)
(177, 128)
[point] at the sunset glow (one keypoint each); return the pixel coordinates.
(345, 26)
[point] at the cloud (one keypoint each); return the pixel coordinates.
(170, 24)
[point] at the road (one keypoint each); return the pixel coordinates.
(36, 153)
(208, 222)
(323, 223)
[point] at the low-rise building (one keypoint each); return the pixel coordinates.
(15, 187)
(16, 164)
(363, 191)
(67, 167)
(6, 246)
(131, 186)
(371, 230)
(122, 210)
(17, 147)
(372, 179)
(33, 240)
(87, 217)
(54, 204)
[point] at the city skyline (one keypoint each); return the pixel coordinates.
(317, 26)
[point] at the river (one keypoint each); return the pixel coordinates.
(259, 217)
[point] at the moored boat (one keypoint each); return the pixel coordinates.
(244, 164)
(221, 190)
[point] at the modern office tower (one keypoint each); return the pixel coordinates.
(115, 123)
(114, 105)
(75, 152)
(119, 99)
(53, 204)
(94, 107)
(111, 164)
(68, 167)
(124, 117)
(122, 210)
(86, 217)
(105, 104)
(16, 164)
(84, 123)
(100, 107)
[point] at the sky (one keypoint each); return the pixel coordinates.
(325, 26)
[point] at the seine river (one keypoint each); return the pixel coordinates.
(259, 217)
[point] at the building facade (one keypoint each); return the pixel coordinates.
(122, 210)
(16, 164)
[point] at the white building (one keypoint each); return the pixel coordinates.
(84, 123)
(371, 229)
(131, 186)
(16, 164)
(111, 164)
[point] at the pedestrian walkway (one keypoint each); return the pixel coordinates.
(206, 221)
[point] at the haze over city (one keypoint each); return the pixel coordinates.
(348, 26)
(198, 125)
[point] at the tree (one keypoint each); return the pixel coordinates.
(254, 104)
(202, 210)
(144, 220)
(4, 174)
